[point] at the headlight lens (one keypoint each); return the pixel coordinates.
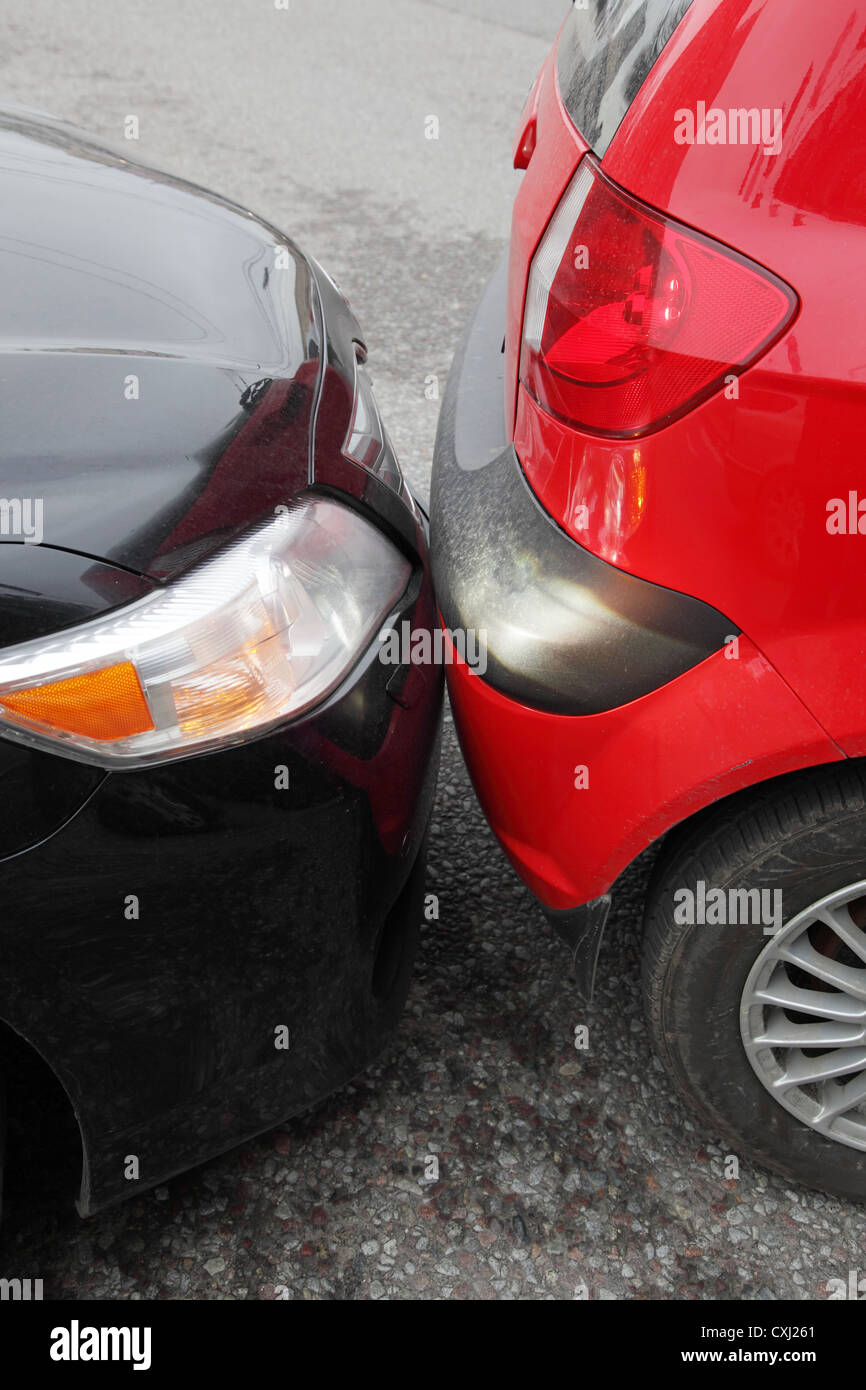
(244, 642)
(366, 438)
(367, 442)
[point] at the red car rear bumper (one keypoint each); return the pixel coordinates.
(608, 709)
(573, 800)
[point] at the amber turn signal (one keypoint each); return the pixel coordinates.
(106, 705)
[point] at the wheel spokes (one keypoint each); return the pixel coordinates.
(803, 1017)
(824, 968)
(802, 1070)
(780, 1031)
(839, 920)
(783, 992)
(835, 1099)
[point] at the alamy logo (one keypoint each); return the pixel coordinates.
(20, 1290)
(22, 516)
(846, 516)
(718, 907)
(438, 648)
(77, 1343)
(740, 125)
(855, 1288)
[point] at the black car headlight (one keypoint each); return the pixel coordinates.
(247, 640)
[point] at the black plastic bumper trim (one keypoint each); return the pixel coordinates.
(582, 930)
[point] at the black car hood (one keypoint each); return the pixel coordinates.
(159, 356)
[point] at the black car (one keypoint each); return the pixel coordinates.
(215, 792)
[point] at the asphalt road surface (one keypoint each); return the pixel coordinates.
(562, 1174)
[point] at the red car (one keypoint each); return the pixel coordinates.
(647, 510)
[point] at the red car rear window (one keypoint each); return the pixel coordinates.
(606, 51)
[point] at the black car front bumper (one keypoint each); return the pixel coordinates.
(158, 945)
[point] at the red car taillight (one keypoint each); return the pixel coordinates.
(632, 319)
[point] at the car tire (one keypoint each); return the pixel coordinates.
(716, 995)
